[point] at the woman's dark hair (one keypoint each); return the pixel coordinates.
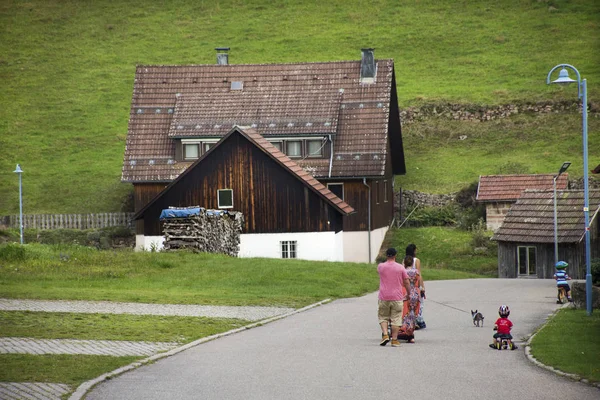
(410, 250)
(408, 261)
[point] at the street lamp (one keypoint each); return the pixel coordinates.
(563, 78)
(562, 169)
(19, 171)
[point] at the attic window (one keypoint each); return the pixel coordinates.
(237, 85)
(225, 198)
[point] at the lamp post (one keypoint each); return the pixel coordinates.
(562, 169)
(19, 171)
(563, 78)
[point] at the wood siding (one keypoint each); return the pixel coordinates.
(573, 254)
(270, 197)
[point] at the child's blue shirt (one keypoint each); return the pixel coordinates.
(561, 277)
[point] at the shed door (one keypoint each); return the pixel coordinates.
(526, 260)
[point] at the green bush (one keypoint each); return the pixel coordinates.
(11, 252)
(433, 216)
(595, 266)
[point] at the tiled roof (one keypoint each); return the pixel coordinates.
(531, 218)
(509, 187)
(279, 99)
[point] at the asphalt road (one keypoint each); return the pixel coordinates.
(333, 352)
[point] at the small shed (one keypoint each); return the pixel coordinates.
(500, 192)
(526, 237)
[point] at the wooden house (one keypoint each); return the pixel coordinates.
(500, 192)
(526, 237)
(337, 121)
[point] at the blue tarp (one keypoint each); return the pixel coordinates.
(189, 211)
(180, 212)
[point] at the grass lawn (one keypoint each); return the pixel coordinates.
(570, 342)
(46, 325)
(57, 368)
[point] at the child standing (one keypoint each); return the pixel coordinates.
(503, 327)
(561, 278)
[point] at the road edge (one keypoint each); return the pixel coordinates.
(85, 387)
(533, 360)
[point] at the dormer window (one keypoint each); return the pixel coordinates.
(193, 149)
(306, 147)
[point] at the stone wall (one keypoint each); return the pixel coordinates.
(406, 200)
(466, 112)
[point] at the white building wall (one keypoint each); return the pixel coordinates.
(356, 245)
(318, 246)
(321, 246)
(148, 243)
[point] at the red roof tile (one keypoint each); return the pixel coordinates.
(509, 187)
(280, 99)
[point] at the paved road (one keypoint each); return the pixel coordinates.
(332, 352)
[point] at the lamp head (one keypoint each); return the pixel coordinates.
(563, 78)
(18, 170)
(564, 167)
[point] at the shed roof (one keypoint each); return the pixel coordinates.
(283, 160)
(508, 188)
(325, 98)
(531, 218)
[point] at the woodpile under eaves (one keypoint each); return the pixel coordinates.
(202, 230)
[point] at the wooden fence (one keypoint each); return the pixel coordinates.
(69, 221)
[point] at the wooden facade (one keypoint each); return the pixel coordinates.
(270, 197)
(526, 237)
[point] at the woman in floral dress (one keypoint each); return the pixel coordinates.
(411, 306)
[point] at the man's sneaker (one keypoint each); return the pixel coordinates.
(395, 343)
(384, 340)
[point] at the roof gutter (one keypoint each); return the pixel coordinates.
(368, 217)
(330, 156)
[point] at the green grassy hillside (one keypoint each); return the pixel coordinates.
(67, 69)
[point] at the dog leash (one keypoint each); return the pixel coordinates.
(446, 305)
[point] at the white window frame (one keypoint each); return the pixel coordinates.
(315, 155)
(289, 248)
(185, 147)
(287, 153)
(219, 198)
(202, 146)
(528, 271)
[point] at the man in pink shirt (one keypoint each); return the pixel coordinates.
(392, 276)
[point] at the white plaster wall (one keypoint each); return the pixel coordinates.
(146, 243)
(319, 246)
(356, 245)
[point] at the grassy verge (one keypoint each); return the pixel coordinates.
(43, 325)
(569, 342)
(70, 369)
(446, 252)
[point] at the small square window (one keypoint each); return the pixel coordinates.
(385, 191)
(288, 249)
(294, 148)
(337, 189)
(191, 151)
(237, 85)
(314, 148)
(225, 198)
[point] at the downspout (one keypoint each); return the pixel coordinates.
(369, 217)
(330, 156)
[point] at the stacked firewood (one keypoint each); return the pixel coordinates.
(211, 231)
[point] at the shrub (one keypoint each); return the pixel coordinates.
(470, 211)
(433, 216)
(12, 252)
(595, 267)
